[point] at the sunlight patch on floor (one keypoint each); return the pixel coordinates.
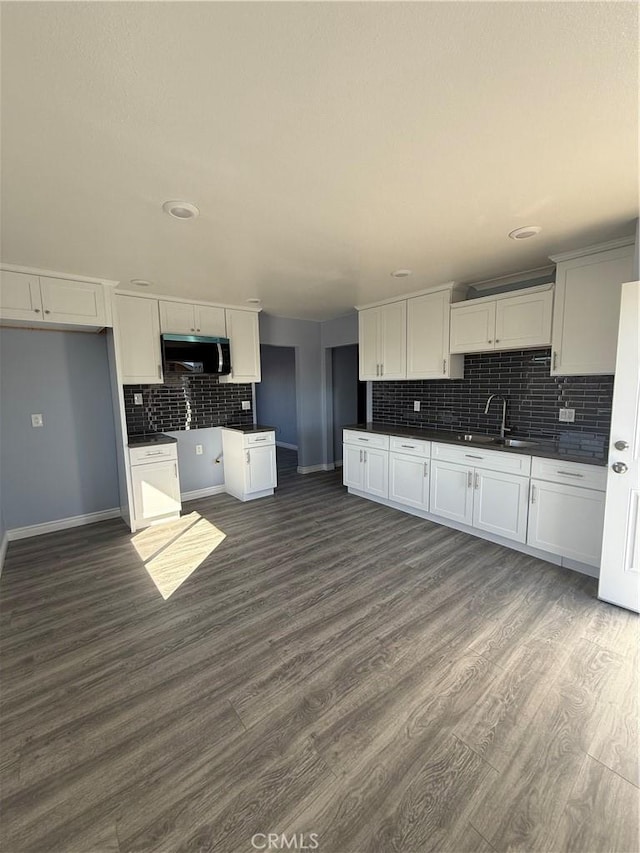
(172, 552)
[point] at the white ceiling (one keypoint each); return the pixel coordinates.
(325, 144)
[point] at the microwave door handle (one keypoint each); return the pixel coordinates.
(219, 357)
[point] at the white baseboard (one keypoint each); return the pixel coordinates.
(3, 549)
(338, 463)
(311, 469)
(61, 524)
(202, 493)
(286, 445)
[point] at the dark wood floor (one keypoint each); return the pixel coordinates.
(332, 667)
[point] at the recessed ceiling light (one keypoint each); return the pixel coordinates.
(181, 209)
(525, 232)
(254, 300)
(140, 282)
(401, 273)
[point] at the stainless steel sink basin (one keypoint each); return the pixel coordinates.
(514, 442)
(479, 439)
(493, 439)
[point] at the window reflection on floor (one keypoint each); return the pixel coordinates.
(172, 552)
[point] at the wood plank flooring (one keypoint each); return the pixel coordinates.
(321, 665)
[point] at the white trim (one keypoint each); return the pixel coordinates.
(3, 549)
(62, 524)
(514, 278)
(506, 294)
(286, 445)
(57, 274)
(620, 243)
(163, 297)
(565, 562)
(202, 493)
(311, 469)
(452, 286)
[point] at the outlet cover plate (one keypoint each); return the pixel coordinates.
(567, 416)
(246, 405)
(37, 421)
(198, 450)
(416, 405)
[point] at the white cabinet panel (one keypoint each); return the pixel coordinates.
(211, 321)
(452, 491)
(368, 343)
(376, 472)
(244, 337)
(138, 333)
(352, 468)
(477, 457)
(571, 473)
(261, 468)
(587, 311)
(72, 301)
(567, 521)
(428, 338)
(524, 321)
(500, 504)
(382, 341)
(177, 318)
(473, 327)
(156, 490)
(366, 439)
(20, 296)
(409, 480)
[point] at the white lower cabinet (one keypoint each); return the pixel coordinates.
(261, 468)
(409, 480)
(365, 462)
(156, 484)
(452, 491)
(249, 463)
(566, 520)
(500, 504)
(376, 472)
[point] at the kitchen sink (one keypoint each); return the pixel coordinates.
(479, 439)
(492, 439)
(514, 442)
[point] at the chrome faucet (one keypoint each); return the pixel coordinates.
(503, 427)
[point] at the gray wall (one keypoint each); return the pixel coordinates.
(68, 467)
(304, 335)
(345, 393)
(199, 472)
(340, 331)
(276, 394)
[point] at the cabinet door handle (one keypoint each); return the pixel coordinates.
(533, 493)
(477, 480)
(426, 469)
(363, 439)
(444, 365)
(260, 439)
(175, 469)
(497, 340)
(193, 330)
(382, 369)
(361, 456)
(248, 458)
(365, 456)
(46, 311)
(408, 446)
(377, 370)
(489, 341)
(37, 310)
(469, 479)
(471, 456)
(555, 360)
(570, 474)
(159, 371)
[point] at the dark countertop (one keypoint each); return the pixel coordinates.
(572, 447)
(249, 428)
(149, 438)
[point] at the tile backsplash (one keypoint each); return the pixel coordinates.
(186, 402)
(533, 398)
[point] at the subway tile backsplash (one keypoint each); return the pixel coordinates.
(186, 402)
(533, 398)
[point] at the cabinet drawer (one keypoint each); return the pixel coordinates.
(478, 457)
(366, 439)
(140, 455)
(571, 473)
(410, 446)
(259, 438)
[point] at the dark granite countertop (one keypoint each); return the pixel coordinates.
(149, 438)
(249, 428)
(572, 447)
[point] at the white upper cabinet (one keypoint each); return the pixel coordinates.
(184, 318)
(587, 308)
(137, 326)
(383, 341)
(45, 299)
(524, 321)
(428, 338)
(473, 326)
(513, 322)
(244, 337)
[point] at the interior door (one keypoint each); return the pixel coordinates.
(620, 565)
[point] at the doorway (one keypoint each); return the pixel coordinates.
(276, 401)
(349, 395)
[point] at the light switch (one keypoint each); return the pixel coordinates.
(246, 405)
(567, 416)
(416, 405)
(36, 421)
(137, 399)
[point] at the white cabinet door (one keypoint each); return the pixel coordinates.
(72, 301)
(376, 472)
(587, 311)
(156, 490)
(428, 338)
(393, 340)
(352, 467)
(261, 468)
(524, 321)
(369, 343)
(20, 296)
(473, 327)
(500, 504)
(177, 318)
(409, 480)
(452, 491)
(567, 521)
(137, 327)
(210, 321)
(244, 337)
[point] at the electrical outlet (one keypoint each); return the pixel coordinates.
(198, 450)
(416, 405)
(246, 405)
(36, 421)
(137, 399)
(567, 416)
